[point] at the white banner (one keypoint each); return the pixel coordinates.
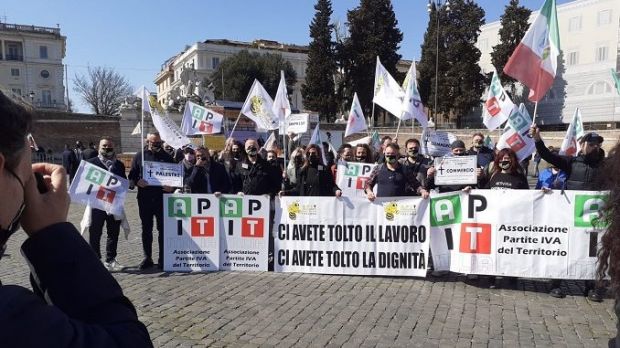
(455, 170)
(200, 120)
(244, 233)
(99, 188)
(168, 130)
(436, 143)
(518, 233)
(351, 177)
(206, 233)
(297, 123)
(163, 174)
(351, 236)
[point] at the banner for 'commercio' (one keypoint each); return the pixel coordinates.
(351, 235)
(517, 233)
(207, 233)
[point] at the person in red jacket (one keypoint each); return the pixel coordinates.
(75, 301)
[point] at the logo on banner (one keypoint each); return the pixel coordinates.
(475, 238)
(361, 172)
(251, 227)
(97, 177)
(201, 120)
(445, 210)
(588, 210)
(515, 142)
(181, 208)
(392, 209)
(295, 209)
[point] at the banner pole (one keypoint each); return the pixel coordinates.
(142, 132)
(534, 117)
(397, 129)
(372, 117)
(235, 126)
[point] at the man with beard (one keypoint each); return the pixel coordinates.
(484, 154)
(253, 175)
(106, 160)
(150, 199)
(415, 161)
(582, 172)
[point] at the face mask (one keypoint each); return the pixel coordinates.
(313, 158)
(477, 145)
(504, 164)
(592, 156)
(156, 147)
(390, 159)
(412, 152)
(5, 233)
(107, 152)
(251, 151)
(190, 158)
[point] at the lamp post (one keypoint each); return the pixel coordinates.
(438, 5)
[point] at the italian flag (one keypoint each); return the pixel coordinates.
(534, 62)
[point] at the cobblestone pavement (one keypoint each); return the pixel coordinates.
(276, 309)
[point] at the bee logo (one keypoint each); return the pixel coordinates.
(293, 210)
(257, 105)
(390, 209)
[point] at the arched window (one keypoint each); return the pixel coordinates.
(599, 87)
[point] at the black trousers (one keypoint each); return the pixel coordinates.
(147, 210)
(98, 218)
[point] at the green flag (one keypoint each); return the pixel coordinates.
(616, 79)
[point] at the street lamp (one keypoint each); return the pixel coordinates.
(438, 4)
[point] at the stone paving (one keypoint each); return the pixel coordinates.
(276, 309)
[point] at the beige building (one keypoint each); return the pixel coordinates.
(206, 56)
(31, 64)
(590, 43)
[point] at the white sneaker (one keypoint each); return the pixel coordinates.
(113, 266)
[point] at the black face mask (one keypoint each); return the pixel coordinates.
(14, 225)
(593, 156)
(390, 159)
(412, 152)
(155, 147)
(251, 151)
(313, 159)
(107, 152)
(504, 165)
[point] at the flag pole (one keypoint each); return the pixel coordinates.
(235, 126)
(397, 129)
(372, 116)
(142, 130)
(534, 117)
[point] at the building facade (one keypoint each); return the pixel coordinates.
(206, 56)
(590, 48)
(31, 65)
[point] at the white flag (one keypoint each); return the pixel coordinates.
(412, 103)
(258, 107)
(316, 139)
(137, 130)
(200, 120)
(388, 93)
(269, 143)
(356, 122)
(498, 106)
(99, 188)
(515, 133)
(168, 130)
(573, 133)
(281, 106)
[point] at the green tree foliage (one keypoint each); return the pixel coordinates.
(461, 83)
(373, 32)
(241, 69)
(514, 25)
(318, 91)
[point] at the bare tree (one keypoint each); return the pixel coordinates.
(103, 89)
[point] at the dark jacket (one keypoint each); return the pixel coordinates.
(89, 153)
(70, 162)
(419, 168)
(215, 173)
(314, 181)
(392, 183)
(154, 193)
(581, 171)
(259, 178)
(84, 306)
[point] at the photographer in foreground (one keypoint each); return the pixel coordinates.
(75, 301)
